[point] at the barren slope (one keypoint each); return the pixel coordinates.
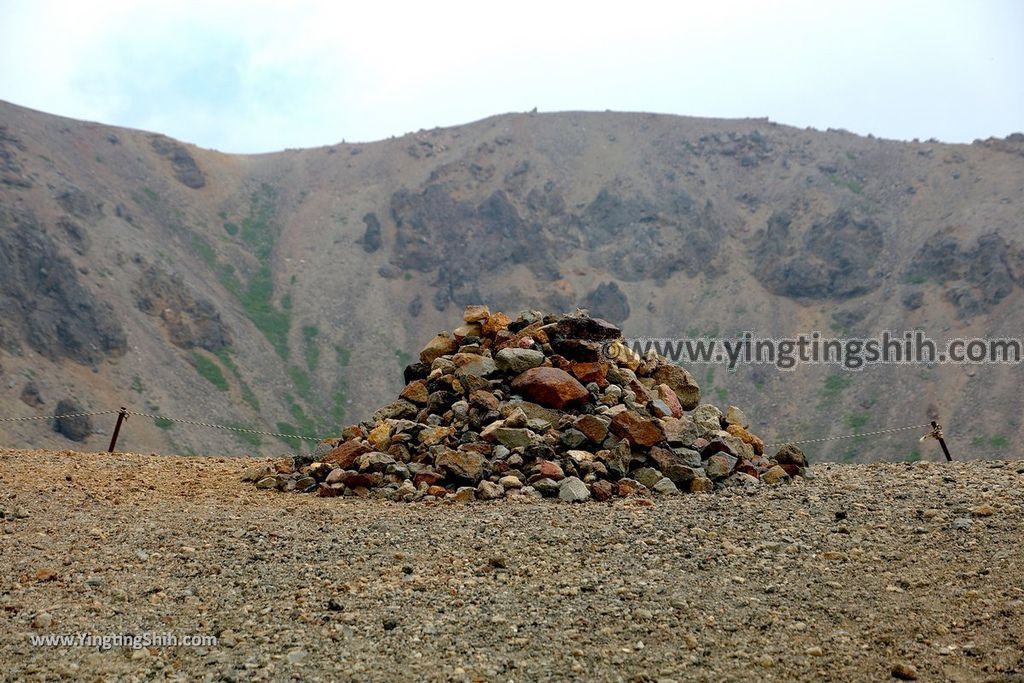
(285, 291)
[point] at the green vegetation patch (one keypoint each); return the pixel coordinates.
(210, 371)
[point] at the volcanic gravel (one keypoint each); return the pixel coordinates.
(865, 572)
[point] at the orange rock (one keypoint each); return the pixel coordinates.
(438, 491)
(496, 322)
(746, 437)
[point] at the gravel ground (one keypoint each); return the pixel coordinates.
(863, 569)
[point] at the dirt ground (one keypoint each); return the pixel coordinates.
(862, 573)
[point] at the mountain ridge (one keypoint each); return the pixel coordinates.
(294, 278)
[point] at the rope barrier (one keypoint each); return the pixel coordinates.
(57, 417)
(313, 438)
(849, 436)
(225, 427)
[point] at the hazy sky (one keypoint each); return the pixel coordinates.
(254, 76)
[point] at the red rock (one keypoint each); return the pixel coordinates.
(550, 470)
(550, 387)
(639, 430)
(345, 455)
(666, 394)
(429, 477)
(791, 469)
(602, 490)
(589, 372)
(328, 491)
(355, 480)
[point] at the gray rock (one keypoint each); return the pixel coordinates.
(546, 487)
(665, 487)
(518, 360)
(514, 437)
(573, 438)
(648, 476)
(573, 490)
(962, 523)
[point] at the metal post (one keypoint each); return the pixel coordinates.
(122, 415)
(942, 442)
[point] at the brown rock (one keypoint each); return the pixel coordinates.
(741, 433)
(681, 383)
(720, 465)
(430, 436)
(437, 491)
(284, 466)
(639, 430)
(416, 391)
(345, 455)
(467, 465)
(483, 399)
(735, 416)
(775, 475)
(593, 427)
(550, 387)
(441, 345)
(673, 466)
(475, 313)
(627, 487)
(329, 490)
(428, 477)
(791, 455)
(351, 432)
(602, 490)
(589, 372)
(702, 485)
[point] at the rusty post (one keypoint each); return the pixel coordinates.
(937, 432)
(122, 415)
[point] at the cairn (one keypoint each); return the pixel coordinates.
(540, 406)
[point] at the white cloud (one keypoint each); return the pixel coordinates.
(257, 76)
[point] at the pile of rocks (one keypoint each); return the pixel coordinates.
(552, 406)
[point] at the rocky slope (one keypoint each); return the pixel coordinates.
(287, 291)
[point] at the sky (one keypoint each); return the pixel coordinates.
(253, 76)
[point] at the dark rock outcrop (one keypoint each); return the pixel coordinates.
(41, 296)
(190, 321)
(186, 170)
(835, 259)
(608, 301)
(75, 428)
(976, 278)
